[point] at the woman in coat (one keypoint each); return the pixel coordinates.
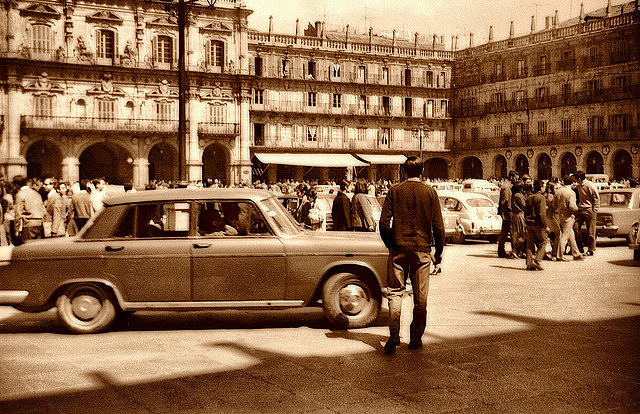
(361, 215)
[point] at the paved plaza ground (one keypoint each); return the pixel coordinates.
(499, 339)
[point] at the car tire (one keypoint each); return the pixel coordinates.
(492, 239)
(459, 237)
(636, 254)
(86, 308)
(349, 301)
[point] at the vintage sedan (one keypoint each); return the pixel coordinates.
(477, 215)
(188, 249)
(619, 209)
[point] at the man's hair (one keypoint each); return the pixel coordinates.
(19, 180)
(361, 187)
(513, 176)
(537, 185)
(579, 175)
(567, 180)
(413, 166)
(344, 185)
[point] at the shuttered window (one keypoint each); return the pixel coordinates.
(164, 52)
(105, 44)
(164, 111)
(215, 53)
(218, 114)
(41, 38)
(43, 105)
(106, 109)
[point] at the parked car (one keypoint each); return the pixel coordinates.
(446, 185)
(619, 209)
(189, 249)
(634, 240)
(485, 187)
(600, 181)
(477, 215)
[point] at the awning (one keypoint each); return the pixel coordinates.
(311, 160)
(383, 158)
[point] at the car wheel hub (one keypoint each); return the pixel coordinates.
(352, 299)
(85, 307)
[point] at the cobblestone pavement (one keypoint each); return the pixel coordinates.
(499, 339)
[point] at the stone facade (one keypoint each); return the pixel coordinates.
(90, 90)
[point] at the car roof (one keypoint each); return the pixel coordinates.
(620, 190)
(185, 194)
(462, 195)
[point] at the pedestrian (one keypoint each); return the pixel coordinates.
(535, 215)
(504, 210)
(56, 208)
(361, 214)
(29, 212)
(588, 203)
(410, 225)
(554, 220)
(98, 193)
(567, 207)
(341, 209)
(518, 224)
(82, 205)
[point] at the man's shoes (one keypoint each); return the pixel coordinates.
(534, 266)
(531, 268)
(390, 346)
(589, 253)
(415, 344)
(578, 257)
(561, 259)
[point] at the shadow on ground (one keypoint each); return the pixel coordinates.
(543, 366)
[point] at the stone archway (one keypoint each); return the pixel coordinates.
(545, 171)
(436, 168)
(471, 168)
(108, 160)
(500, 167)
(215, 164)
(622, 165)
(595, 163)
(522, 165)
(162, 163)
(568, 164)
(44, 159)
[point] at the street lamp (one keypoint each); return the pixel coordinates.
(422, 129)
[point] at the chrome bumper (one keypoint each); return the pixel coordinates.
(12, 297)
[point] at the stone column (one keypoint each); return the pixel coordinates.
(15, 162)
(71, 169)
(193, 152)
(373, 170)
(12, 25)
(140, 172)
(272, 173)
(244, 154)
(556, 168)
(299, 173)
(607, 168)
(635, 165)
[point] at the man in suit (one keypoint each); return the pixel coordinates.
(535, 215)
(29, 211)
(82, 205)
(504, 210)
(417, 226)
(588, 204)
(341, 209)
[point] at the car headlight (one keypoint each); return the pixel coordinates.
(5, 255)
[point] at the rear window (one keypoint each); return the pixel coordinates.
(479, 202)
(621, 199)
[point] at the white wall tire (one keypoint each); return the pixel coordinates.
(85, 308)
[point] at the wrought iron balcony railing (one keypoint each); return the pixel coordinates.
(217, 128)
(68, 123)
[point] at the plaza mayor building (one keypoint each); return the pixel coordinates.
(91, 90)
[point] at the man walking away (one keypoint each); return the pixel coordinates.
(29, 212)
(588, 203)
(341, 209)
(566, 202)
(82, 206)
(535, 215)
(417, 225)
(504, 210)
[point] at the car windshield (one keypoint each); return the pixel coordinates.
(284, 221)
(479, 202)
(620, 199)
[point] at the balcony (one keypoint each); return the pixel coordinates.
(542, 69)
(351, 144)
(217, 128)
(68, 123)
(593, 61)
(566, 64)
(619, 56)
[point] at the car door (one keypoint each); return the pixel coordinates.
(238, 257)
(150, 252)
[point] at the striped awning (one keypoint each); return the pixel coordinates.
(311, 160)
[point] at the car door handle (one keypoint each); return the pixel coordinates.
(114, 248)
(201, 245)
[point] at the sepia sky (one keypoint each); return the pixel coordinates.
(442, 17)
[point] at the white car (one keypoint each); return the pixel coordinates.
(477, 215)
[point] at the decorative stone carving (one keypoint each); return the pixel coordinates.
(129, 54)
(60, 53)
(82, 51)
(107, 83)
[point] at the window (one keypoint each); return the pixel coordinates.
(43, 105)
(407, 77)
(105, 109)
(164, 50)
(517, 131)
(258, 96)
(385, 137)
(311, 70)
(442, 79)
(335, 71)
(566, 128)
(593, 87)
(312, 98)
(619, 122)
(105, 44)
(337, 133)
(385, 76)
(498, 98)
(463, 135)
(286, 68)
(386, 105)
(218, 114)
(286, 133)
(444, 106)
(257, 65)
(429, 78)
(542, 93)
(429, 108)
(566, 89)
(362, 103)
(362, 73)
(312, 133)
(621, 83)
(337, 100)
(41, 38)
(408, 107)
(163, 220)
(520, 68)
(164, 110)
(230, 218)
(408, 135)
(519, 97)
(258, 134)
(362, 134)
(595, 126)
(215, 53)
(474, 133)
(497, 70)
(542, 127)
(497, 131)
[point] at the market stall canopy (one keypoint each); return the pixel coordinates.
(383, 158)
(311, 160)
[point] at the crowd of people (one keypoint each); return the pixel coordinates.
(548, 220)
